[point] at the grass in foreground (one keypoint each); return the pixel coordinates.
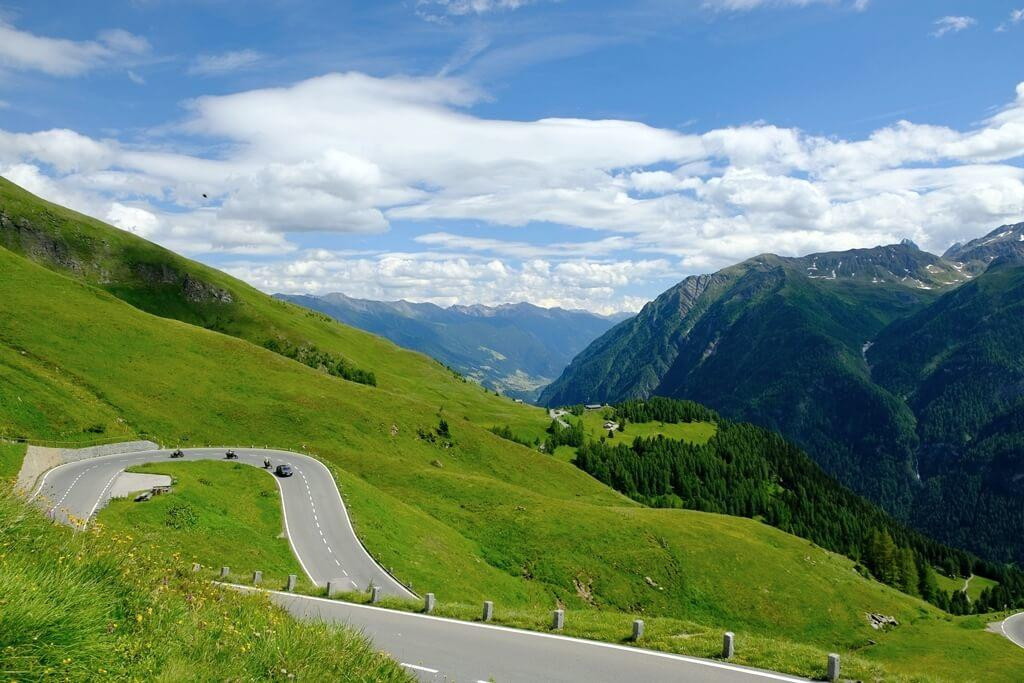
(11, 457)
(100, 606)
(217, 514)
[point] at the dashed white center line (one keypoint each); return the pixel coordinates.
(57, 504)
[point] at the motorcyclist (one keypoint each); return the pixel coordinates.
(266, 463)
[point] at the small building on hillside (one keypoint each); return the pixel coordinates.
(593, 406)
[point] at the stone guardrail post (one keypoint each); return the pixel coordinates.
(638, 629)
(833, 668)
(488, 610)
(728, 645)
(428, 603)
(292, 580)
(558, 619)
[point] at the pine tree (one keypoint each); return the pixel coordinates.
(883, 558)
(928, 583)
(959, 604)
(909, 578)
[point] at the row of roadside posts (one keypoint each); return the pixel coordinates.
(557, 616)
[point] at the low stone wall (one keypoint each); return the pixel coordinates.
(76, 454)
(37, 460)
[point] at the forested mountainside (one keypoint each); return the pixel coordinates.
(869, 359)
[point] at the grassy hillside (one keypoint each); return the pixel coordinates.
(974, 586)
(481, 519)
(100, 606)
(163, 283)
(693, 432)
(204, 520)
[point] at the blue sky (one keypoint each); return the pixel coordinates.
(583, 154)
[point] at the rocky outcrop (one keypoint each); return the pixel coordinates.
(880, 622)
(20, 235)
(193, 289)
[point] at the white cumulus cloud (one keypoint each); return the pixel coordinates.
(952, 24)
(61, 57)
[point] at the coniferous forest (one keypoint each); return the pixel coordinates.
(748, 471)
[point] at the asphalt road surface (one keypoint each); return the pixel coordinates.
(433, 649)
(438, 649)
(316, 521)
(1013, 628)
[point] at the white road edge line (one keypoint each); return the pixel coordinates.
(536, 634)
(103, 492)
(418, 668)
(1002, 627)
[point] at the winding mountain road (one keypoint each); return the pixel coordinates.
(431, 648)
(316, 521)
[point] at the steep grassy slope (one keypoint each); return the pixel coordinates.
(99, 606)
(494, 520)
(161, 282)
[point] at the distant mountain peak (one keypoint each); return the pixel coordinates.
(902, 264)
(1005, 242)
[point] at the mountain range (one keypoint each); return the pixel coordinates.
(515, 349)
(901, 372)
